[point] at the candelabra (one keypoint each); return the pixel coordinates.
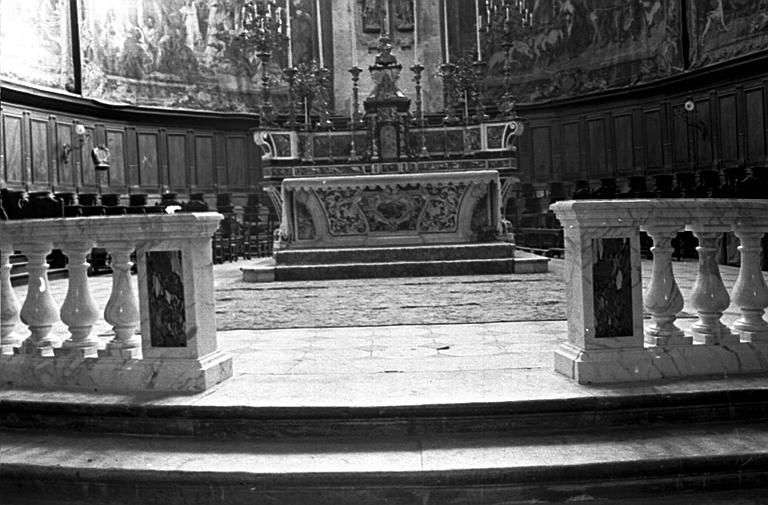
(323, 79)
(262, 23)
(507, 102)
(308, 82)
(447, 71)
(417, 69)
(355, 119)
(289, 74)
(479, 71)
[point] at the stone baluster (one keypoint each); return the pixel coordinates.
(122, 310)
(39, 311)
(662, 299)
(750, 292)
(9, 304)
(79, 310)
(709, 296)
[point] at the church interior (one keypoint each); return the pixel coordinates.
(383, 251)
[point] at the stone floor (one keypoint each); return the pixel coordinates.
(485, 341)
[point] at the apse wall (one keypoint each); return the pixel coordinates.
(645, 130)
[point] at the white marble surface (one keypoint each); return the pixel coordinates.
(193, 367)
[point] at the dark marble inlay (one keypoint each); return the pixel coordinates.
(612, 287)
(165, 289)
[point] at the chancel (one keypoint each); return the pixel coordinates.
(383, 251)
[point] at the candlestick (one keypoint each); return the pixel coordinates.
(288, 32)
(355, 71)
(415, 30)
(445, 26)
(477, 28)
(290, 76)
(353, 33)
(319, 35)
(386, 16)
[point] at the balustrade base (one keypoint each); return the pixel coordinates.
(27, 348)
(115, 351)
(115, 374)
(668, 340)
(83, 352)
(603, 366)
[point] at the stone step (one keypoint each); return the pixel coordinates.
(266, 270)
(497, 250)
(691, 463)
(233, 420)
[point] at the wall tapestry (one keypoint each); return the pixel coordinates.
(35, 42)
(563, 48)
(186, 53)
(724, 29)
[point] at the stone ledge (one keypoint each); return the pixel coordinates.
(115, 374)
(605, 366)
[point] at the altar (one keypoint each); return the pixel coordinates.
(390, 210)
(393, 193)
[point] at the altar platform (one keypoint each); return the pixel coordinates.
(394, 413)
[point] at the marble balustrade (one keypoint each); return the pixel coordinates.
(175, 349)
(607, 340)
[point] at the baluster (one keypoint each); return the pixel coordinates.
(39, 311)
(663, 298)
(709, 296)
(750, 292)
(79, 310)
(122, 310)
(9, 305)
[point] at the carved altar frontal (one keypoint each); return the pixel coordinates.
(390, 210)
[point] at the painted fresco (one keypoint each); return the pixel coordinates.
(572, 47)
(184, 53)
(724, 29)
(36, 43)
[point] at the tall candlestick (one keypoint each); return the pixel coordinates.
(386, 16)
(415, 31)
(319, 35)
(477, 28)
(445, 26)
(288, 32)
(353, 33)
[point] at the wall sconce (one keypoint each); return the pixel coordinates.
(100, 155)
(66, 149)
(691, 118)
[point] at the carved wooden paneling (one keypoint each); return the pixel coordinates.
(681, 143)
(88, 180)
(12, 145)
(654, 158)
(571, 158)
(39, 153)
(728, 131)
(220, 161)
(116, 145)
(598, 163)
(236, 161)
(177, 160)
(624, 142)
(148, 160)
(542, 153)
(132, 157)
(755, 125)
(204, 162)
(66, 178)
(702, 137)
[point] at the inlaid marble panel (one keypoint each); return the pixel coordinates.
(165, 290)
(612, 287)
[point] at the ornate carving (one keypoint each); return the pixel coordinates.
(395, 209)
(342, 211)
(441, 209)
